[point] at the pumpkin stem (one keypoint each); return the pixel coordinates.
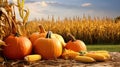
(42, 30)
(17, 34)
(49, 34)
(71, 36)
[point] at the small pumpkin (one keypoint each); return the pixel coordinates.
(17, 47)
(43, 34)
(48, 48)
(75, 45)
(36, 35)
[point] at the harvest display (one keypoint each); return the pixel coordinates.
(15, 44)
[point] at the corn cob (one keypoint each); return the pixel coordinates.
(85, 59)
(96, 56)
(32, 58)
(103, 52)
(107, 55)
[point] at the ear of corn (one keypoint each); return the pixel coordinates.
(31, 58)
(84, 59)
(107, 55)
(96, 56)
(1, 59)
(102, 52)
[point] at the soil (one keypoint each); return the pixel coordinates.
(113, 62)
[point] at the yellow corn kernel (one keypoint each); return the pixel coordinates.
(103, 52)
(85, 59)
(107, 55)
(96, 56)
(31, 58)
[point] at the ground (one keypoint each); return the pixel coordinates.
(113, 62)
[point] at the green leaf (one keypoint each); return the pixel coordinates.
(82, 53)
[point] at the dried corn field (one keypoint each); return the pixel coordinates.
(91, 30)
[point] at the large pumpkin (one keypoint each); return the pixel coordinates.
(48, 48)
(43, 34)
(17, 47)
(75, 45)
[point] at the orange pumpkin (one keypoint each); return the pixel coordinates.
(17, 47)
(35, 36)
(48, 48)
(43, 34)
(75, 45)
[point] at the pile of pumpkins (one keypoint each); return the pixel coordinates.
(44, 45)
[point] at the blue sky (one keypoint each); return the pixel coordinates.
(69, 8)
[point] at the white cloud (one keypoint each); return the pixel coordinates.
(86, 4)
(37, 9)
(43, 3)
(53, 2)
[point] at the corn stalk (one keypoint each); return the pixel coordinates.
(5, 22)
(24, 14)
(8, 23)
